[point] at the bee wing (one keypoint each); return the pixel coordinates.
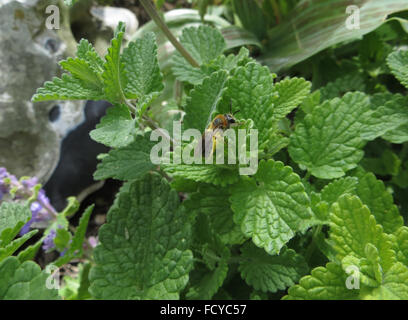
(209, 141)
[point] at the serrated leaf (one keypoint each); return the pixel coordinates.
(251, 92)
(66, 88)
(213, 202)
(116, 129)
(353, 227)
(206, 280)
(15, 244)
(290, 93)
(400, 244)
(204, 44)
(114, 76)
(334, 190)
(144, 245)
(215, 174)
(61, 239)
(76, 247)
(141, 66)
(203, 101)
(329, 140)
(87, 52)
(271, 273)
(393, 287)
(81, 70)
(30, 252)
(24, 281)
(374, 195)
(272, 206)
(13, 216)
(324, 283)
(205, 283)
(129, 162)
(342, 85)
(398, 63)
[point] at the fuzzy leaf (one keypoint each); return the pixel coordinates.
(116, 129)
(13, 216)
(271, 273)
(141, 66)
(24, 281)
(114, 76)
(324, 283)
(398, 63)
(127, 163)
(143, 251)
(329, 140)
(272, 206)
(203, 101)
(204, 44)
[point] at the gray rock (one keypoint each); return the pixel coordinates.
(30, 134)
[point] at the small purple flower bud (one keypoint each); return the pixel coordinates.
(48, 242)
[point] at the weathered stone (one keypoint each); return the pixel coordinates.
(29, 52)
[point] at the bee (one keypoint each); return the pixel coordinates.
(215, 129)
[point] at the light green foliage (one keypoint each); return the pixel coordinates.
(116, 129)
(203, 101)
(398, 63)
(13, 216)
(204, 44)
(272, 206)
(24, 281)
(207, 277)
(324, 283)
(213, 202)
(329, 140)
(129, 162)
(143, 251)
(271, 273)
(218, 175)
(75, 248)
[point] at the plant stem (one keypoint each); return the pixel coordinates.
(151, 10)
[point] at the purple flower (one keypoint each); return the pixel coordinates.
(48, 242)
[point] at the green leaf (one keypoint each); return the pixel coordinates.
(342, 85)
(76, 248)
(129, 162)
(205, 281)
(66, 88)
(24, 281)
(398, 63)
(400, 244)
(374, 195)
(272, 206)
(251, 91)
(81, 70)
(141, 66)
(13, 216)
(15, 244)
(204, 44)
(61, 239)
(116, 129)
(324, 283)
(353, 227)
(334, 190)
(30, 252)
(218, 175)
(114, 76)
(213, 202)
(143, 251)
(393, 287)
(271, 273)
(87, 52)
(290, 93)
(329, 140)
(319, 24)
(203, 101)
